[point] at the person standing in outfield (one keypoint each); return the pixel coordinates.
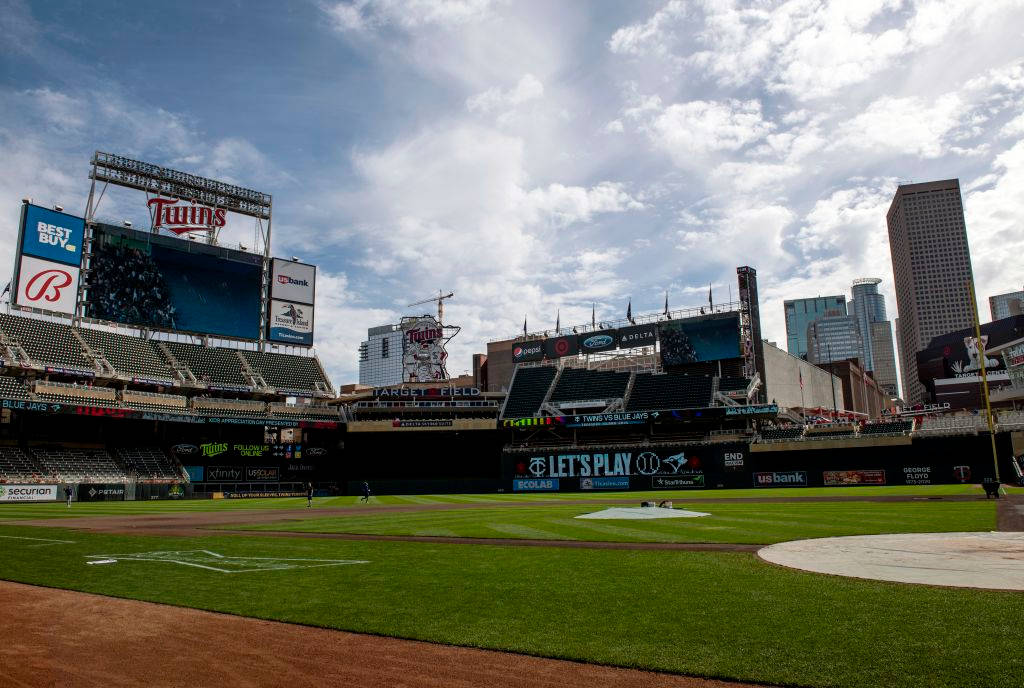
(67, 493)
(309, 495)
(366, 492)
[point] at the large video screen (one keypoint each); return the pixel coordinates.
(139, 278)
(704, 338)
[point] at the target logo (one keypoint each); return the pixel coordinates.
(562, 347)
(47, 285)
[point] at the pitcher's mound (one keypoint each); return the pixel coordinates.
(643, 513)
(963, 560)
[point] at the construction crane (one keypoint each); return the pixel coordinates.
(441, 296)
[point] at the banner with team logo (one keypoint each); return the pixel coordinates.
(47, 285)
(290, 323)
(292, 281)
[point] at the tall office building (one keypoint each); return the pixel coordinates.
(867, 306)
(1005, 305)
(931, 265)
(885, 361)
(380, 356)
(834, 338)
(802, 312)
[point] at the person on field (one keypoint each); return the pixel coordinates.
(309, 495)
(67, 494)
(366, 492)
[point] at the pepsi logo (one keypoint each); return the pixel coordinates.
(517, 352)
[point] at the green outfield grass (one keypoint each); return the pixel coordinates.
(747, 523)
(725, 615)
(10, 511)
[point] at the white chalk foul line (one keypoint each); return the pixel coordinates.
(212, 561)
(46, 542)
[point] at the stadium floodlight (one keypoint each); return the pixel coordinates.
(127, 223)
(58, 207)
(26, 199)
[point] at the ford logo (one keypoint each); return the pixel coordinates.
(316, 451)
(184, 449)
(597, 341)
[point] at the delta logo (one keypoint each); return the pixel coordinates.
(522, 351)
(285, 279)
(598, 341)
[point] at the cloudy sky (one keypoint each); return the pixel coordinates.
(535, 156)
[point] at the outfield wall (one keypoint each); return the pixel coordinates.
(933, 461)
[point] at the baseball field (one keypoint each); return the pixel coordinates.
(522, 575)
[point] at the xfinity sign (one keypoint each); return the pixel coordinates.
(292, 281)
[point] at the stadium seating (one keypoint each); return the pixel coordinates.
(952, 425)
(830, 430)
(209, 364)
(46, 343)
(286, 371)
(780, 434)
(582, 384)
(250, 408)
(131, 356)
(150, 464)
(669, 391)
(309, 411)
(731, 384)
(80, 465)
(892, 427)
(529, 387)
(16, 466)
(12, 388)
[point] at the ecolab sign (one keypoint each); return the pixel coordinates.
(184, 218)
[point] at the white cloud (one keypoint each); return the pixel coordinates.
(911, 126)
(699, 127)
(753, 176)
(363, 15)
(528, 88)
(650, 36)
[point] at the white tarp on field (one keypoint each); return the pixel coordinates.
(642, 512)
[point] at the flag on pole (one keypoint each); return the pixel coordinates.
(593, 316)
(711, 304)
(666, 302)
(801, 373)
(524, 325)
(629, 312)
(558, 321)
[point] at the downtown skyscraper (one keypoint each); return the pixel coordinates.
(931, 265)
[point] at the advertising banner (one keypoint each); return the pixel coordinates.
(224, 474)
(290, 323)
(29, 493)
(195, 473)
(291, 281)
(604, 483)
(781, 479)
(704, 338)
(858, 477)
(256, 473)
(597, 342)
(528, 351)
(47, 285)
(535, 485)
(684, 481)
(51, 235)
(663, 462)
(733, 461)
(599, 419)
(105, 492)
(636, 335)
(566, 345)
